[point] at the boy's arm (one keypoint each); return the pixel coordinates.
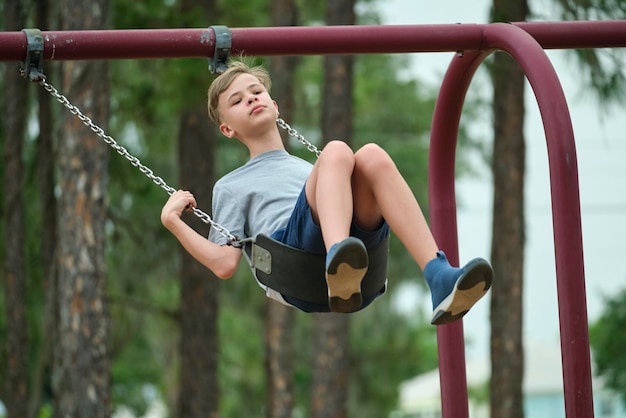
(220, 259)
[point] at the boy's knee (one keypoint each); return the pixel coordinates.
(337, 145)
(337, 152)
(372, 156)
(372, 150)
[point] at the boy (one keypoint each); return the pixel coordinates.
(343, 204)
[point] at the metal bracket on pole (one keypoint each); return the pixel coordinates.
(223, 44)
(33, 64)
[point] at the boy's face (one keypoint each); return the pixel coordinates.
(246, 107)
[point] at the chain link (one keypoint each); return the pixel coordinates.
(233, 240)
(298, 136)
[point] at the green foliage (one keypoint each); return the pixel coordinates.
(389, 108)
(479, 394)
(241, 371)
(387, 348)
(592, 9)
(312, 12)
(608, 343)
(237, 13)
(603, 70)
(129, 14)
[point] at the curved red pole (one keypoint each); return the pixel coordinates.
(566, 213)
(442, 201)
(570, 276)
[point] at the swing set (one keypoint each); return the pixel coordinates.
(472, 44)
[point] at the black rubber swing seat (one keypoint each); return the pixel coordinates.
(301, 275)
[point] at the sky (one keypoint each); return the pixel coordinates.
(601, 150)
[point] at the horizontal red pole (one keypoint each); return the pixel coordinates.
(303, 40)
(321, 40)
(577, 34)
(113, 44)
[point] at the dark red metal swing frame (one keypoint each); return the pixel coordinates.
(526, 42)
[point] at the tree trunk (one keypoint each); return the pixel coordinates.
(507, 253)
(14, 114)
(279, 355)
(331, 348)
(280, 319)
(82, 380)
(282, 68)
(199, 394)
(332, 331)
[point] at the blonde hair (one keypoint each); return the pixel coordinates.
(221, 83)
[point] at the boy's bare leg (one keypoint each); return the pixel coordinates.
(329, 193)
(381, 191)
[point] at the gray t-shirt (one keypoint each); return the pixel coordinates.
(259, 196)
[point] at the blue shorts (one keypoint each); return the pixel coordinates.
(302, 232)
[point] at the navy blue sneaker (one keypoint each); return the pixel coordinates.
(455, 290)
(346, 265)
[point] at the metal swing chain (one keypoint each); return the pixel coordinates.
(292, 132)
(233, 240)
